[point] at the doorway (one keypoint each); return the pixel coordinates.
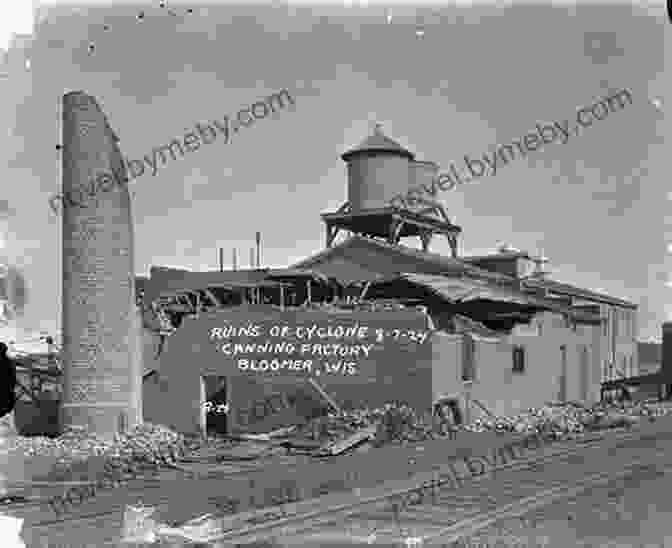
(585, 373)
(214, 400)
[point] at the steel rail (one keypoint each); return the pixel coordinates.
(150, 477)
(525, 505)
(150, 484)
(308, 520)
(103, 520)
(477, 519)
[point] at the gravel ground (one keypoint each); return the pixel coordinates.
(77, 455)
(633, 512)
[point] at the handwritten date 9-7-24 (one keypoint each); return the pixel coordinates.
(414, 336)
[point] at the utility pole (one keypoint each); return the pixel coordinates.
(258, 237)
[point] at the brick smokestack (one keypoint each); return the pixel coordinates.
(102, 371)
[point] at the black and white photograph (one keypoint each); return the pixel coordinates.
(283, 273)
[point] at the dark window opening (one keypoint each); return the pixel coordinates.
(518, 359)
(468, 359)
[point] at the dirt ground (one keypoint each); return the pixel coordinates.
(634, 512)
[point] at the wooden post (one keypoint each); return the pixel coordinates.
(324, 395)
(309, 293)
(282, 297)
(258, 239)
(362, 295)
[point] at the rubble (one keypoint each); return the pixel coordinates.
(393, 423)
(152, 446)
(400, 424)
(359, 437)
(567, 419)
(146, 446)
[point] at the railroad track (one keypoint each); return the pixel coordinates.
(455, 512)
(143, 483)
(467, 527)
(308, 525)
(149, 479)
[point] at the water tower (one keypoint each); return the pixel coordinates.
(379, 169)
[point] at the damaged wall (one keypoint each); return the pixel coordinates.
(505, 392)
(393, 368)
(446, 366)
(418, 374)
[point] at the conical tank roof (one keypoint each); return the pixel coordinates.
(378, 142)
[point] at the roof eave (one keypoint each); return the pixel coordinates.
(347, 156)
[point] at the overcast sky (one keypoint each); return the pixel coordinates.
(444, 82)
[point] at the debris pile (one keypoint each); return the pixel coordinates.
(567, 419)
(145, 446)
(555, 419)
(209, 448)
(150, 446)
(396, 423)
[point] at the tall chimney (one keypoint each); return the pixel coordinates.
(102, 369)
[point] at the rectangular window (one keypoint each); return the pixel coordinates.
(518, 359)
(631, 323)
(628, 323)
(468, 359)
(629, 329)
